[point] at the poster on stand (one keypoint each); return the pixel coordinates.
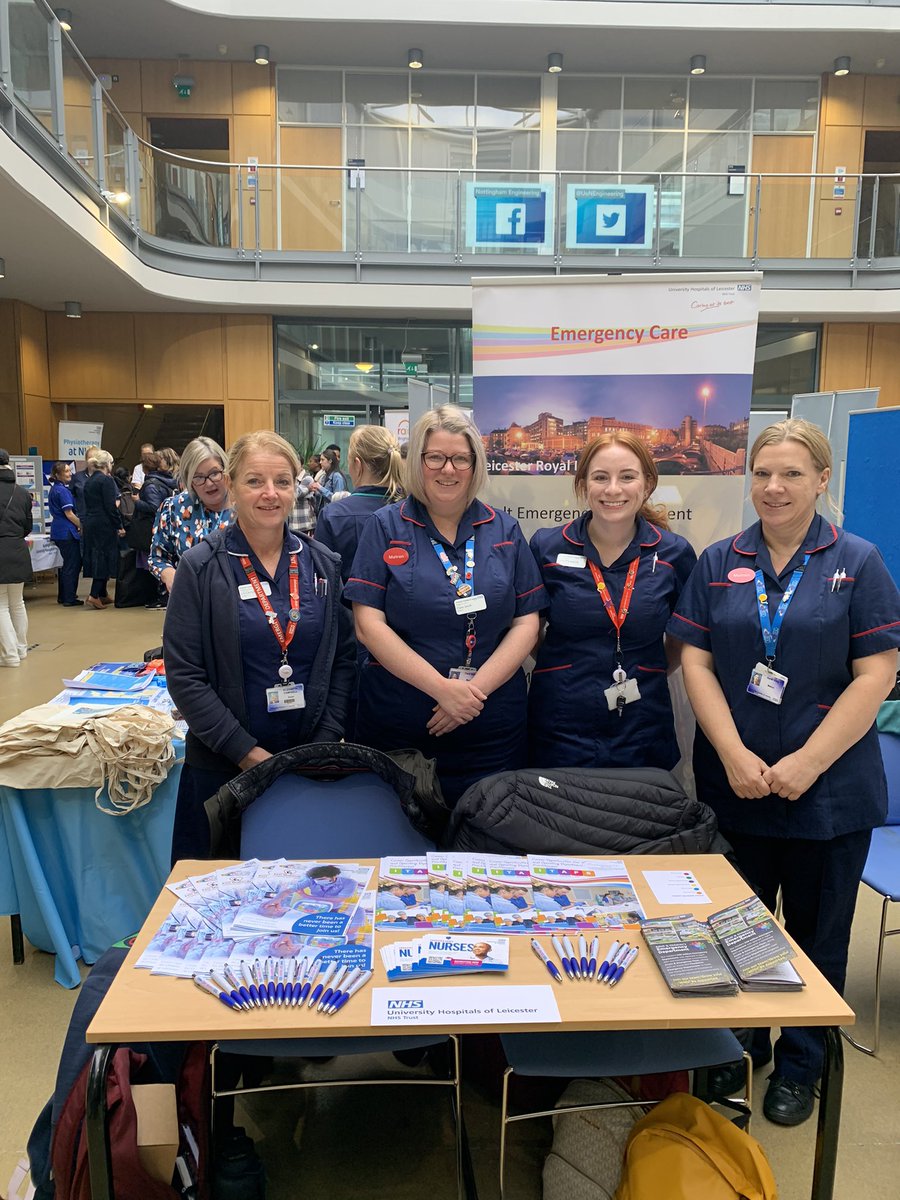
(667, 357)
(76, 436)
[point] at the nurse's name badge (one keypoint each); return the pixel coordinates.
(741, 575)
(571, 560)
(395, 556)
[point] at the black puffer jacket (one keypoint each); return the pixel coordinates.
(583, 811)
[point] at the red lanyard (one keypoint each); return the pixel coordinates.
(284, 639)
(617, 618)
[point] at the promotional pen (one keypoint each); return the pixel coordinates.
(328, 994)
(573, 961)
(558, 947)
(543, 956)
(582, 956)
(206, 985)
(322, 985)
(623, 966)
(351, 991)
(314, 969)
(258, 979)
(279, 982)
(247, 975)
(270, 981)
(238, 986)
(224, 986)
(592, 965)
(297, 982)
(607, 962)
(347, 983)
(617, 961)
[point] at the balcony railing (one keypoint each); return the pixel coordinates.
(170, 206)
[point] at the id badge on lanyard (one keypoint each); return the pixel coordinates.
(467, 603)
(623, 690)
(283, 696)
(765, 682)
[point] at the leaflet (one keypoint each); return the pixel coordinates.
(511, 898)
(478, 893)
(687, 953)
(316, 899)
(753, 942)
(583, 894)
(445, 954)
(404, 894)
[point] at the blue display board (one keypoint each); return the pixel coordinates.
(610, 215)
(508, 214)
(870, 483)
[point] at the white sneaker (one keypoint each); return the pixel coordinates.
(10, 662)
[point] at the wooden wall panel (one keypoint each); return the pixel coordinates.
(246, 416)
(126, 89)
(211, 95)
(9, 355)
(249, 355)
(834, 229)
(253, 89)
(254, 136)
(881, 109)
(179, 356)
(842, 99)
(885, 364)
(35, 376)
(39, 427)
(845, 355)
(93, 358)
(840, 146)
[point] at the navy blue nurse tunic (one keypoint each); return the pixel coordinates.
(417, 599)
(340, 525)
(569, 721)
(826, 627)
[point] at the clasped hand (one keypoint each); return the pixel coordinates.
(460, 701)
(751, 778)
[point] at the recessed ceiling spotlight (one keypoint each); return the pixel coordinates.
(415, 60)
(698, 64)
(261, 55)
(555, 62)
(842, 65)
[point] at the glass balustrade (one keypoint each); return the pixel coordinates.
(185, 201)
(78, 109)
(29, 35)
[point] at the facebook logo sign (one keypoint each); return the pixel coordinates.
(501, 215)
(609, 215)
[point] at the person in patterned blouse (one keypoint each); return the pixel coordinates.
(191, 515)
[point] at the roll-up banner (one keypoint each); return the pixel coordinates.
(668, 357)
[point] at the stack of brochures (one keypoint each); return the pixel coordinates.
(108, 685)
(444, 954)
(474, 893)
(740, 947)
(259, 910)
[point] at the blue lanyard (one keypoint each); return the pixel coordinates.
(771, 629)
(463, 587)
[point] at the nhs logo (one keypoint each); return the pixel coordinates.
(499, 215)
(399, 1005)
(610, 215)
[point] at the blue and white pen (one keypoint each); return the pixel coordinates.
(583, 955)
(333, 986)
(238, 986)
(297, 985)
(624, 965)
(592, 964)
(270, 980)
(249, 982)
(545, 959)
(211, 989)
(280, 967)
(260, 980)
(611, 953)
(347, 983)
(351, 991)
(314, 968)
(558, 947)
(320, 987)
(573, 961)
(617, 961)
(224, 986)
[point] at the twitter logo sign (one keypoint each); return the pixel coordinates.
(610, 215)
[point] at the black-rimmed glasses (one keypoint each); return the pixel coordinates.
(436, 461)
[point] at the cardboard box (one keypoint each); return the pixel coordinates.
(157, 1129)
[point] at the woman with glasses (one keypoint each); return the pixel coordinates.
(446, 597)
(191, 515)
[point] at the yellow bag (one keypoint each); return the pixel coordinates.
(683, 1150)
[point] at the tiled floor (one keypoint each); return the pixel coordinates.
(378, 1144)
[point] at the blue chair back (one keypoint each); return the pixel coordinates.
(356, 817)
(890, 752)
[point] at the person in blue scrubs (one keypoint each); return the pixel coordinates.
(617, 561)
(257, 645)
(375, 467)
(446, 598)
(65, 533)
(790, 634)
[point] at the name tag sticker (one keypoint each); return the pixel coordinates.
(571, 560)
(470, 604)
(246, 592)
(285, 698)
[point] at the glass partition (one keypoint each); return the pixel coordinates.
(186, 203)
(30, 60)
(115, 171)
(79, 113)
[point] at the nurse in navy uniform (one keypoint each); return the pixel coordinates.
(790, 632)
(446, 598)
(599, 692)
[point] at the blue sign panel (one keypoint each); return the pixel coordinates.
(499, 215)
(609, 215)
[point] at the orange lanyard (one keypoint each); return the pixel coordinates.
(284, 639)
(617, 618)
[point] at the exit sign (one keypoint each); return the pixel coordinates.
(339, 420)
(411, 368)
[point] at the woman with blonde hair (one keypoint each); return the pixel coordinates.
(257, 644)
(445, 597)
(599, 692)
(375, 467)
(790, 634)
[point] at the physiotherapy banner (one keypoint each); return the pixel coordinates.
(667, 357)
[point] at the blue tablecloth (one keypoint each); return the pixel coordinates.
(79, 878)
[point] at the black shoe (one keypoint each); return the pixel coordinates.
(787, 1102)
(71, 603)
(155, 604)
(722, 1082)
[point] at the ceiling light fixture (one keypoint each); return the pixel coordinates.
(365, 367)
(842, 65)
(415, 60)
(64, 16)
(261, 55)
(554, 62)
(115, 197)
(698, 64)
(73, 308)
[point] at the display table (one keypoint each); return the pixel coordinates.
(140, 1006)
(79, 878)
(44, 555)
